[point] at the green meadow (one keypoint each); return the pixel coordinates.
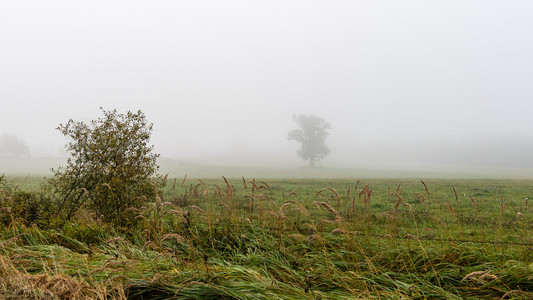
(246, 238)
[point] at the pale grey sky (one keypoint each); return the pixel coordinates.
(397, 80)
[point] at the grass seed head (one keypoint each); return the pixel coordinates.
(426, 188)
(338, 231)
(472, 275)
(474, 203)
(174, 236)
(411, 236)
(196, 208)
(455, 194)
(517, 293)
(399, 201)
(328, 207)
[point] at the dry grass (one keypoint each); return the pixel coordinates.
(17, 284)
(257, 241)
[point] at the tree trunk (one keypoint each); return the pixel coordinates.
(312, 162)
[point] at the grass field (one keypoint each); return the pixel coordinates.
(287, 239)
(38, 167)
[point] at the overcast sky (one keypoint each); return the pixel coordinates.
(397, 80)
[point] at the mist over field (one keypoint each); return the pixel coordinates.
(410, 88)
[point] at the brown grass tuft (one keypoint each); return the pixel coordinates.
(399, 201)
(11, 240)
(455, 194)
(244, 183)
(310, 239)
(480, 276)
(426, 188)
(421, 198)
(116, 240)
(264, 185)
(474, 203)
(322, 222)
(274, 214)
(297, 206)
(338, 231)
(196, 208)
(108, 186)
(175, 236)
(450, 208)
(503, 206)
(328, 207)
(411, 236)
(148, 244)
(15, 284)
(517, 293)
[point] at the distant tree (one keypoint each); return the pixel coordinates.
(110, 168)
(12, 146)
(312, 136)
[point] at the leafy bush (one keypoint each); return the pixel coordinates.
(86, 233)
(27, 208)
(110, 169)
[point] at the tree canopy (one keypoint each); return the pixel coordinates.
(312, 137)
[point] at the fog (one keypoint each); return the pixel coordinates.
(414, 85)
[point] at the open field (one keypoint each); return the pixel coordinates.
(286, 239)
(39, 167)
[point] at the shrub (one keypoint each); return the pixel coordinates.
(27, 208)
(111, 166)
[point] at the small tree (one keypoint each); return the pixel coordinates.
(312, 137)
(12, 146)
(110, 168)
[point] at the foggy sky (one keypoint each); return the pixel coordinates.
(445, 82)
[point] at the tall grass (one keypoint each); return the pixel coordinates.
(291, 239)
